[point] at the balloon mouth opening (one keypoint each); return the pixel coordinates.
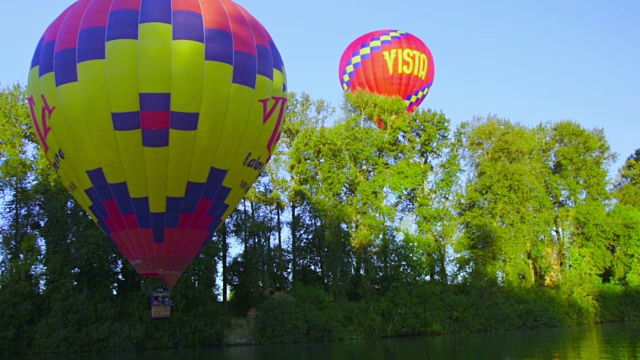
(170, 278)
(150, 273)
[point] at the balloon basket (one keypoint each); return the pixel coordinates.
(160, 311)
(160, 305)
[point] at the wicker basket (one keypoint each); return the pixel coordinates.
(160, 311)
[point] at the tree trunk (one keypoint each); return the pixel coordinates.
(268, 265)
(5, 253)
(294, 240)
(442, 264)
(225, 250)
(279, 225)
(557, 254)
(279, 260)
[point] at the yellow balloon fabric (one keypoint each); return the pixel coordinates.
(158, 115)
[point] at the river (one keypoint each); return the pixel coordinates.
(606, 341)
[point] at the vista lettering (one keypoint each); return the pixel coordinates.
(406, 61)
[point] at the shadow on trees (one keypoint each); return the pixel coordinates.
(310, 314)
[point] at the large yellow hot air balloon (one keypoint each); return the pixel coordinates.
(158, 115)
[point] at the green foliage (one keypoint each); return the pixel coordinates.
(627, 185)
(505, 210)
(368, 222)
(20, 310)
(310, 315)
(281, 320)
(619, 303)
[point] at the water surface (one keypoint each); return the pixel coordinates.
(606, 341)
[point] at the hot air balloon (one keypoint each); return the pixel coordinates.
(158, 116)
(389, 63)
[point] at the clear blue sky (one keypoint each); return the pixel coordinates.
(528, 61)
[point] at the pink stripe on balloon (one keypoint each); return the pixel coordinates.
(125, 5)
(52, 31)
(201, 219)
(259, 32)
(97, 14)
(68, 35)
(215, 15)
(187, 5)
(242, 34)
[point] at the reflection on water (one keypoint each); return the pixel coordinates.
(608, 341)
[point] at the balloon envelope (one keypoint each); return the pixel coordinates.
(158, 115)
(390, 63)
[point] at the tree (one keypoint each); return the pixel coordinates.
(577, 159)
(20, 268)
(505, 210)
(627, 186)
(365, 180)
(18, 158)
(625, 224)
(304, 116)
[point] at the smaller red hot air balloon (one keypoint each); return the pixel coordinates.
(389, 63)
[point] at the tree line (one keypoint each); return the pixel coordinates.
(368, 221)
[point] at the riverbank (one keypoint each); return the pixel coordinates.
(310, 314)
